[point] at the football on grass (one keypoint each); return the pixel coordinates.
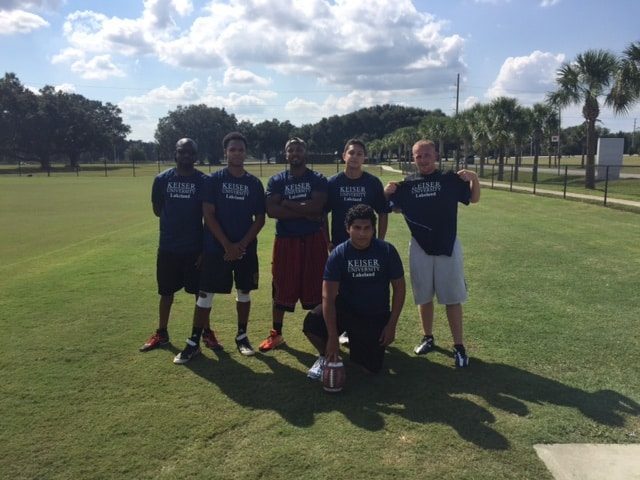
(333, 376)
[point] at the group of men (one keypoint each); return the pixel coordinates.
(349, 278)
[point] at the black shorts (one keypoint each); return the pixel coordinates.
(364, 335)
(177, 270)
(218, 275)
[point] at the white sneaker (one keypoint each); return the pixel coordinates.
(315, 372)
(343, 339)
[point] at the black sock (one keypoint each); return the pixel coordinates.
(163, 332)
(196, 332)
(277, 327)
(459, 347)
(242, 328)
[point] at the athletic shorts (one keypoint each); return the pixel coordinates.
(219, 275)
(177, 270)
(439, 275)
(297, 269)
(364, 335)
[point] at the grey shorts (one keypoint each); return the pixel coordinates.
(438, 275)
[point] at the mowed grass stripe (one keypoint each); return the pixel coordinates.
(551, 327)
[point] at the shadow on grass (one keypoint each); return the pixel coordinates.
(412, 387)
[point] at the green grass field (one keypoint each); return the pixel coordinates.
(551, 327)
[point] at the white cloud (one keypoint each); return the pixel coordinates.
(309, 111)
(469, 102)
(237, 76)
(99, 67)
(30, 4)
(527, 78)
(549, 3)
(65, 87)
(142, 112)
(19, 21)
(378, 45)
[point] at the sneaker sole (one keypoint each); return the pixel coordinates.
(247, 353)
(144, 348)
(418, 351)
(182, 361)
(273, 347)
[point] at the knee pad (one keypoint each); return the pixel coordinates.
(205, 300)
(242, 296)
(310, 320)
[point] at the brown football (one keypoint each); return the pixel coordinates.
(333, 376)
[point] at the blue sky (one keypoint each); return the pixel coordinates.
(302, 60)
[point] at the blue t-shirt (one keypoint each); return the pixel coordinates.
(237, 201)
(429, 204)
(180, 198)
(344, 193)
(298, 189)
(364, 275)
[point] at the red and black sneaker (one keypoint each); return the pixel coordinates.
(210, 340)
(156, 340)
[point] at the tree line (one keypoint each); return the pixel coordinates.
(52, 124)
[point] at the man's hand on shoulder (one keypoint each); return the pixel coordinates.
(391, 188)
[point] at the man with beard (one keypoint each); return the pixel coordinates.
(296, 199)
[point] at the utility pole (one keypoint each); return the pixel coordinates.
(457, 140)
(558, 144)
(457, 93)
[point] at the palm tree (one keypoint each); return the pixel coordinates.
(407, 136)
(478, 123)
(375, 148)
(438, 129)
(463, 135)
(589, 77)
(502, 111)
(540, 123)
(521, 131)
(626, 90)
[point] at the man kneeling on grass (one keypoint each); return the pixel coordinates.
(355, 296)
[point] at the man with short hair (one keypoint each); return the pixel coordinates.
(355, 296)
(234, 213)
(296, 198)
(429, 201)
(349, 188)
(176, 199)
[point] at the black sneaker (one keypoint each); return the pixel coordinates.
(460, 356)
(426, 345)
(244, 347)
(191, 350)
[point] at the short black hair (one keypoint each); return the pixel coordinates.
(360, 212)
(187, 141)
(233, 136)
(355, 141)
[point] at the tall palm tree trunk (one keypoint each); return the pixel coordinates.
(590, 173)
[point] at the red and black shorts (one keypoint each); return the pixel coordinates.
(297, 269)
